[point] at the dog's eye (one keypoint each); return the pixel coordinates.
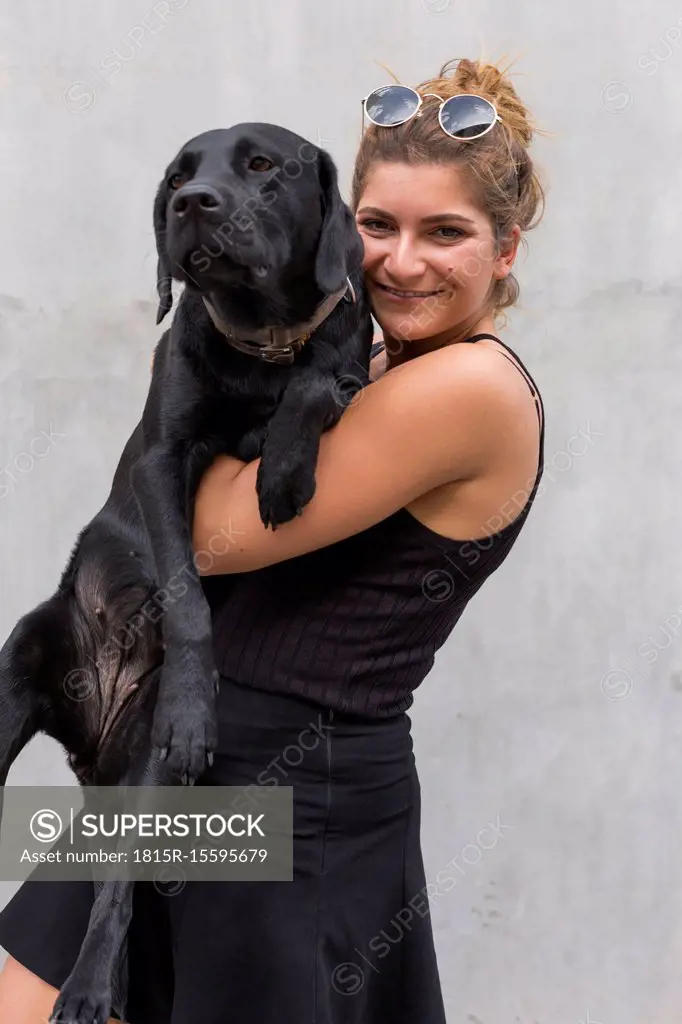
(260, 163)
(175, 180)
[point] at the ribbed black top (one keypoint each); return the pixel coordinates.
(355, 626)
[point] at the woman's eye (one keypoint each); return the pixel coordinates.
(260, 163)
(457, 233)
(374, 225)
(175, 180)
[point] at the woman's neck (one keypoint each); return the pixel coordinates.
(399, 351)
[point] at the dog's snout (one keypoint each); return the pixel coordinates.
(197, 197)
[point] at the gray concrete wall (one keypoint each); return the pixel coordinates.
(555, 710)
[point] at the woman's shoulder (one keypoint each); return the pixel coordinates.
(504, 376)
(507, 373)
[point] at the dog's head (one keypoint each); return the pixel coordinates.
(253, 211)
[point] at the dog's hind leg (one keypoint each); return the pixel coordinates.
(17, 725)
(22, 659)
(95, 988)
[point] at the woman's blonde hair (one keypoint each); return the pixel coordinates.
(497, 166)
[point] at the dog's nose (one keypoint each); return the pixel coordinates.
(196, 197)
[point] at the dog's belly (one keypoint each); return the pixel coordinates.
(116, 611)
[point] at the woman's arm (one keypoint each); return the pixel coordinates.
(433, 420)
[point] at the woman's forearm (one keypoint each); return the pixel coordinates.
(213, 531)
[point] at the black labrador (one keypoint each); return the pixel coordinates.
(273, 323)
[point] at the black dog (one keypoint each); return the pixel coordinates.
(272, 318)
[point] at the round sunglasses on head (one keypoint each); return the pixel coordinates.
(463, 117)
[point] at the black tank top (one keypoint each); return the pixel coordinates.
(355, 626)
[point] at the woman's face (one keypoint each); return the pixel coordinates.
(429, 259)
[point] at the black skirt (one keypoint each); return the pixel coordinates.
(348, 941)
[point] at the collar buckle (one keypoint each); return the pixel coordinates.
(280, 344)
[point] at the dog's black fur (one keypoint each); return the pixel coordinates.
(250, 217)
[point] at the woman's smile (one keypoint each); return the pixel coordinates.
(403, 294)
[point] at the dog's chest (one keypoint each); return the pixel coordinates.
(233, 425)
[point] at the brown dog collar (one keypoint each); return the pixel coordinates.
(280, 344)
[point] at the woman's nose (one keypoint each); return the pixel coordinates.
(403, 262)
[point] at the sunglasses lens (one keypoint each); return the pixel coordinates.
(466, 117)
(391, 105)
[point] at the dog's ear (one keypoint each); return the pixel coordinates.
(164, 280)
(340, 248)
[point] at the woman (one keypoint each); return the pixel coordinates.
(334, 618)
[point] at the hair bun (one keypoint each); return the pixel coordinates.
(490, 82)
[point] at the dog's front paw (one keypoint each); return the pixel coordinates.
(285, 483)
(80, 1003)
(185, 728)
